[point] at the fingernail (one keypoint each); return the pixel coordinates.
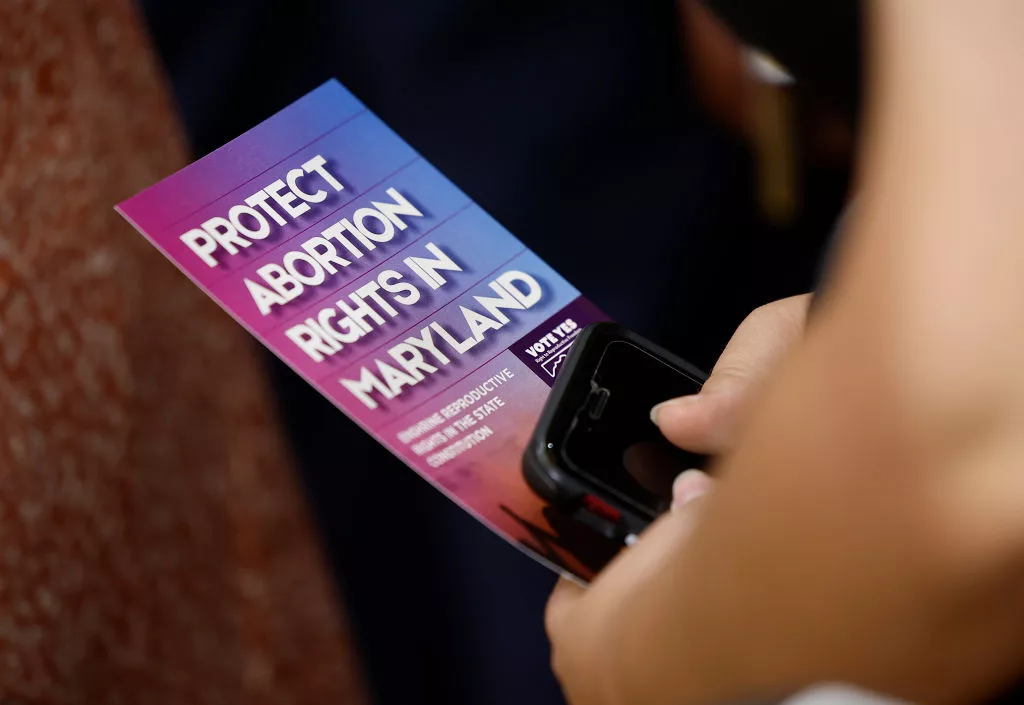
(690, 485)
(675, 403)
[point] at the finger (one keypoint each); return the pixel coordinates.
(703, 423)
(709, 422)
(564, 597)
(687, 492)
(689, 487)
(664, 538)
(577, 619)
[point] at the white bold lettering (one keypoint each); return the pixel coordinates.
(404, 292)
(286, 199)
(367, 384)
(427, 268)
(221, 230)
(282, 282)
(493, 306)
(259, 200)
(426, 342)
(309, 341)
(388, 228)
(401, 206)
(337, 231)
(265, 298)
(263, 227)
(318, 164)
(479, 324)
(291, 261)
(412, 360)
(200, 242)
(325, 254)
(293, 177)
(528, 298)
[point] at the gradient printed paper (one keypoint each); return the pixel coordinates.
(374, 277)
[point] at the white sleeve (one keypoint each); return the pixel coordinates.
(839, 695)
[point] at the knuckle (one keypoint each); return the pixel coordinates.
(761, 313)
(554, 614)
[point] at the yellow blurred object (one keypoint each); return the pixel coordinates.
(773, 118)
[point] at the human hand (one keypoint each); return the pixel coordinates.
(679, 617)
(866, 528)
(583, 624)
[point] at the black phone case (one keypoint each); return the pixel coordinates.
(542, 466)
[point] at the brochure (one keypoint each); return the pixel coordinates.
(389, 290)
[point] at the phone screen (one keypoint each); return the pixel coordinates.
(611, 439)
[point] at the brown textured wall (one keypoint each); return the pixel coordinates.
(153, 546)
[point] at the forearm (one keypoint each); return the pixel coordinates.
(891, 435)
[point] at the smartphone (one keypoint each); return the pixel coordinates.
(595, 452)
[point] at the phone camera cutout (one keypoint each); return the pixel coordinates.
(597, 402)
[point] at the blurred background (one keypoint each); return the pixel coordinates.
(628, 143)
(581, 127)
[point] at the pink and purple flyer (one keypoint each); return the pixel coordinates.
(375, 278)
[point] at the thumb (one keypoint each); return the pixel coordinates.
(708, 423)
(688, 493)
(705, 423)
(690, 487)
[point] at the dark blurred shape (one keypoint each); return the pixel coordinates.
(572, 123)
(818, 42)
